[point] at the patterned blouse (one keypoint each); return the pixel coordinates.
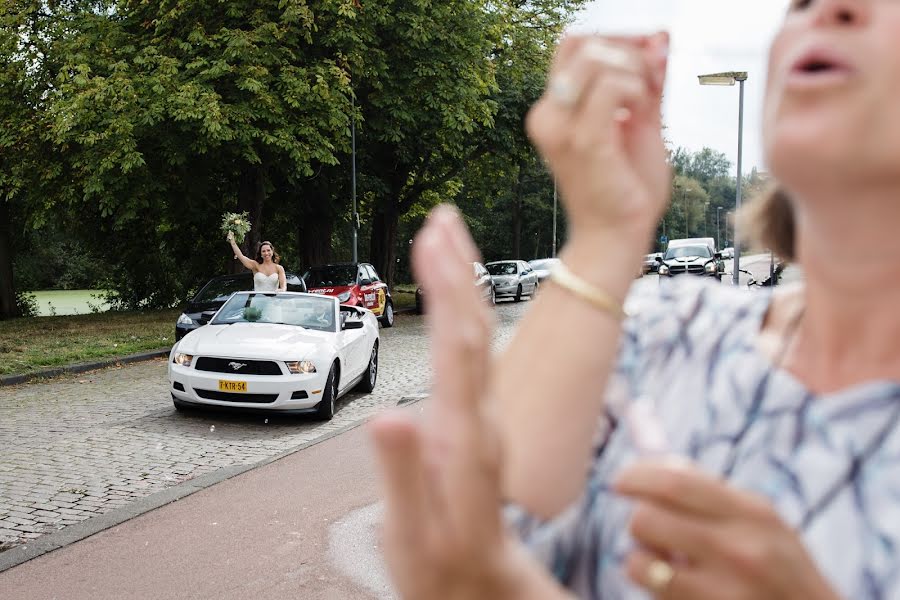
(829, 463)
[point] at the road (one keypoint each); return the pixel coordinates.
(80, 447)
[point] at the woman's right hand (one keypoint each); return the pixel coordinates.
(230, 237)
(598, 125)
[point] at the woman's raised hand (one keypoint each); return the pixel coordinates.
(230, 237)
(444, 536)
(598, 126)
(701, 538)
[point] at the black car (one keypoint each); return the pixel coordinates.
(213, 295)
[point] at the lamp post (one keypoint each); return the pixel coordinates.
(729, 78)
(555, 196)
(718, 229)
(355, 215)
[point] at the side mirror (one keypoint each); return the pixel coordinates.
(352, 324)
(718, 256)
(659, 259)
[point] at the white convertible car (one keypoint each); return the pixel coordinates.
(283, 352)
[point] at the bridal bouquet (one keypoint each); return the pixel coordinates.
(236, 224)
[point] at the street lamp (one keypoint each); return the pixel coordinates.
(718, 229)
(728, 78)
(555, 201)
(355, 215)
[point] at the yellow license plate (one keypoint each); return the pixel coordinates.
(232, 386)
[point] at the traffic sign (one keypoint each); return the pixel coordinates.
(663, 239)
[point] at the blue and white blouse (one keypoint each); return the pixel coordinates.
(829, 463)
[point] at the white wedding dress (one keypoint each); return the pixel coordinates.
(265, 283)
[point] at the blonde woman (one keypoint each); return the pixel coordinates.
(746, 445)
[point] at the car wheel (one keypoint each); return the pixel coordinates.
(325, 408)
(518, 297)
(387, 319)
(179, 405)
(368, 381)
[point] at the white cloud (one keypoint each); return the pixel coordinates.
(707, 36)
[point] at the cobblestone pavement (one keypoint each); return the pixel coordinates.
(81, 445)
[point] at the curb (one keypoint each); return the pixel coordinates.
(84, 529)
(82, 367)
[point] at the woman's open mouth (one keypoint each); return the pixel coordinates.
(820, 68)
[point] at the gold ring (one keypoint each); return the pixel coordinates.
(563, 90)
(659, 575)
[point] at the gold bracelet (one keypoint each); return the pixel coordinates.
(566, 279)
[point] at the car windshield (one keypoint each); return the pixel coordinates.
(309, 312)
(341, 275)
(218, 290)
(504, 268)
(544, 264)
(685, 251)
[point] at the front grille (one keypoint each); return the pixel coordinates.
(244, 367)
(690, 269)
(229, 397)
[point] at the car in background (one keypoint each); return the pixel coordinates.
(214, 293)
(694, 256)
(727, 253)
(483, 283)
(543, 267)
(281, 352)
(353, 284)
(513, 278)
(650, 264)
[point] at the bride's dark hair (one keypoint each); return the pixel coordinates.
(276, 258)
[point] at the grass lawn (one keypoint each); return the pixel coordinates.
(28, 345)
(68, 302)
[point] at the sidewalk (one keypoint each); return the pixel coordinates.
(261, 534)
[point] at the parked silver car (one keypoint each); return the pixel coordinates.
(543, 267)
(513, 278)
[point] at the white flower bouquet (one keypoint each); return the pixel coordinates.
(236, 224)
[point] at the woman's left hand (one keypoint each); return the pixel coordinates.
(701, 538)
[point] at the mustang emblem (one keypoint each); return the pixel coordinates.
(237, 366)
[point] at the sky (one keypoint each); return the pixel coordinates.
(707, 36)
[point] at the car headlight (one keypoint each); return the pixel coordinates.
(299, 367)
(710, 267)
(343, 297)
(182, 359)
(663, 270)
(185, 320)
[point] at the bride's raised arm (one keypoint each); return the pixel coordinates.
(247, 262)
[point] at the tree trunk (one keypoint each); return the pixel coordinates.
(383, 243)
(314, 231)
(517, 215)
(8, 308)
(251, 198)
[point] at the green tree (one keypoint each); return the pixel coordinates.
(173, 112)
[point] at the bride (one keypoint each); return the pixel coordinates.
(268, 275)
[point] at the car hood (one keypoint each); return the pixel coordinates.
(254, 340)
(689, 259)
(199, 307)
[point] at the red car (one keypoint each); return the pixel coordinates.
(354, 284)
